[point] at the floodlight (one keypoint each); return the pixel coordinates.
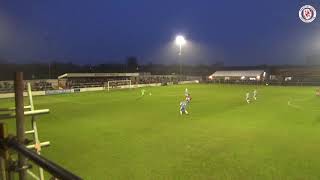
(180, 40)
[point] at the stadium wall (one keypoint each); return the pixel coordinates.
(188, 82)
(11, 95)
(90, 89)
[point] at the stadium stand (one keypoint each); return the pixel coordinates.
(6, 86)
(37, 85)
(86, 80)
(83, 80)
(295, 75)
(238, 76)
(273, 75)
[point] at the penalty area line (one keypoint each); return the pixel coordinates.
(294, 106)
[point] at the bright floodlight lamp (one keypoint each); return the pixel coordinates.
(180, 41)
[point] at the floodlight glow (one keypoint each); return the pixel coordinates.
(180, 40)
(258, 77)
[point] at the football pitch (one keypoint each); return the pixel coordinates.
(120, 135)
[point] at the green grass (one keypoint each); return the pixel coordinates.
(101, 135)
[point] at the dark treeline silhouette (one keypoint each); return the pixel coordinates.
(54, 69)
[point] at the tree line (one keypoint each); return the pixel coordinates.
(54, 69)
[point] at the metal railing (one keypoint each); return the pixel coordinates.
(54, 169)
(17, 143)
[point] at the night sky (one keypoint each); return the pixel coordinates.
(238, 32)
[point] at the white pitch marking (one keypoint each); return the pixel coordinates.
(294, 106)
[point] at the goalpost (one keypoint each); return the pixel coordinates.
(118, 84)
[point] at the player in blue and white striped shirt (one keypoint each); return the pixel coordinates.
(183, 107)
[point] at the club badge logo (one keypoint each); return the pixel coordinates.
(307, 13)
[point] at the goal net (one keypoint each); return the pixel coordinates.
(118, 84)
